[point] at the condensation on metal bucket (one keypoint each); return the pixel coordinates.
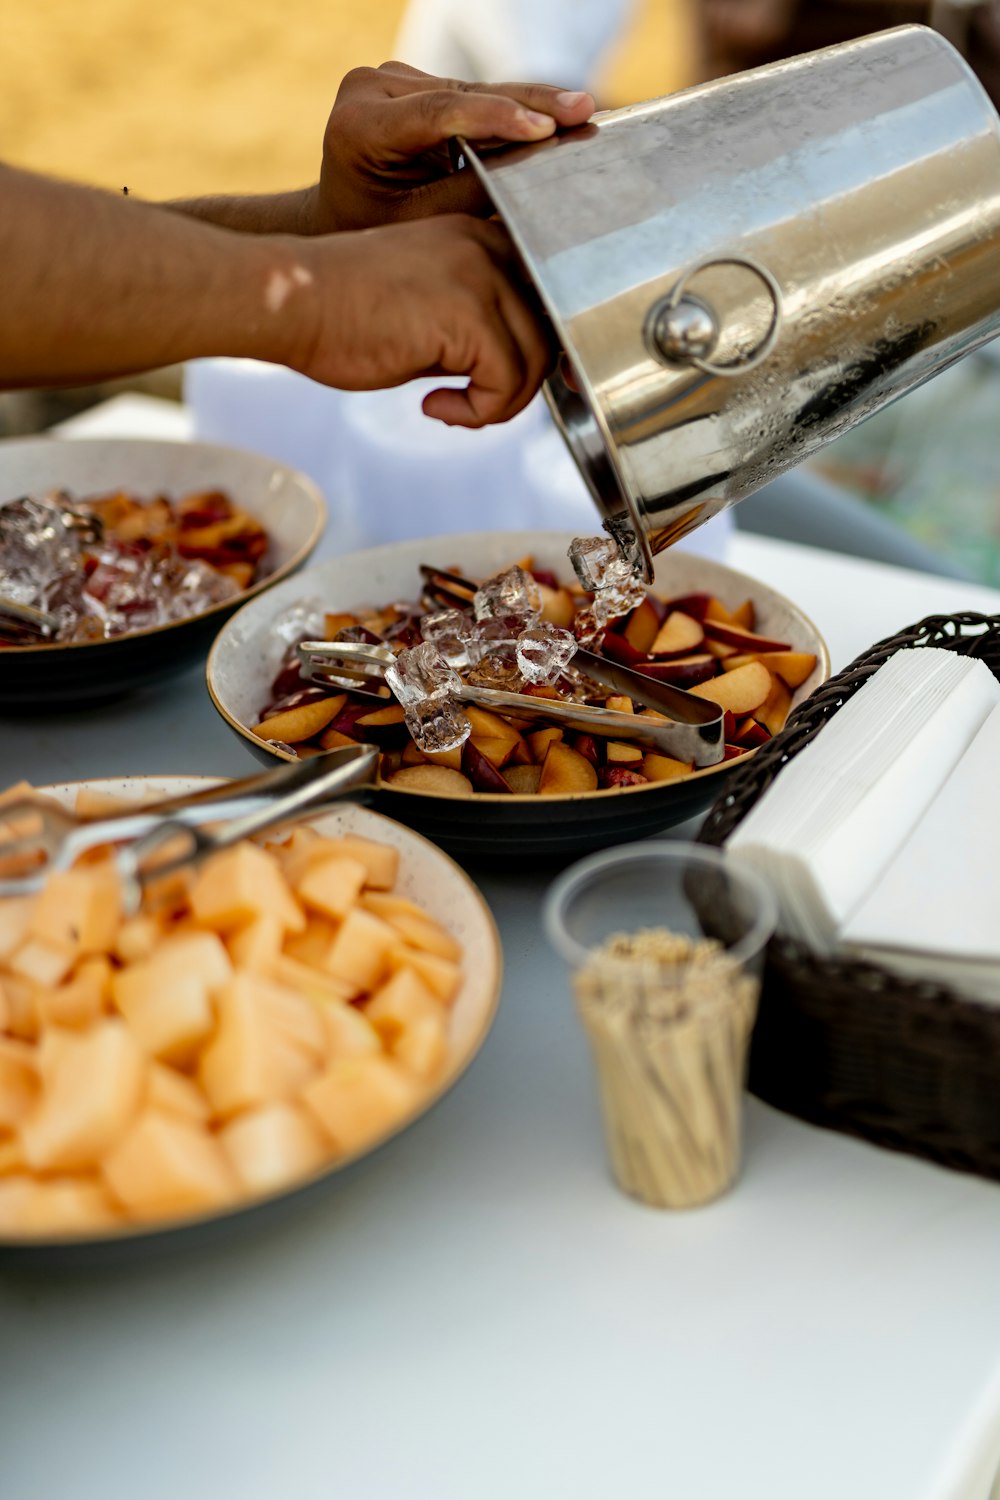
(742, 272)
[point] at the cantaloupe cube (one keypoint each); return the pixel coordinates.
(349, 1032)
(165, 1165)
(175, 1094)
(271, 1147)
(12, 1157)
(15, 919)
(293, 1016)
(332, 886)
(16, 1193)
(311, 946)
(80, 909)
(422, 1048)
(296, 852)
(380, 860)
(442, 977)
(62, 1205)
(93, 1088)
(249, 1062)
(359, 1098)
(170, 1015)
(254, 946)
(358, 952)
(239, 884)
(19, 1083)
(312, 984)
(137, 938)
(41, 961)
(399, 1003)
(81, 999)
(21, 998)
(414, 925)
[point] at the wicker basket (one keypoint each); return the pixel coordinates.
(848, 1045)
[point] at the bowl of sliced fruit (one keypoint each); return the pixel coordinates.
(519, 780)
(237, 1041)
(120, 558)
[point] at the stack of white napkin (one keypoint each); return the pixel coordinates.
(881, 836)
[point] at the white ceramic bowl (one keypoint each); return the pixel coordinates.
(246, 656)
(286, 503)
(427, 877)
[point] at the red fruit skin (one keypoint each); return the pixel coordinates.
(545, 577)
(609, 776)
(616, 648)
(682, 672)
(694, 605)
(732, 751)
(744, 640)
(481, 771)
(753, 736)
(587, 746)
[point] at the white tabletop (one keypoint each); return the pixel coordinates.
(477, 1313)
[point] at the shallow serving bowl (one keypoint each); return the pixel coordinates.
(426, 876)
(246, 655)
(285, 502)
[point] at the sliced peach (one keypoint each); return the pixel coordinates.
(557, 606)
(333, 739)
(566, 771)
(436, 781)
(498, 752)
(679, 635)
(741, 691)
(618, 703)
(743, 640)
(717, 611)
(334, 623)
(643, 624)
(541, 740)
(793, 667)
(663, 767)
(523, 780)
(621, 753)
(776, 707)
(718, 650)
(273, 1146)
(487, 726)
(481, 771)
(744, 614)
(298, 724)
(681, 671)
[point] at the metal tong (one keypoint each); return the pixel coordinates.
(692, 731)
(238, 810)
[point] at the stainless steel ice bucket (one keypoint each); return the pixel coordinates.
(741, 272)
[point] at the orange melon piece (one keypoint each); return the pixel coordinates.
(311, 946)
(381, 861)
(399, 1003)
(12, 1159)
(257, 944)
(332, 886)
(175, 1093)
(167, 1000)
(422, 1049)
(292, 1016)
(349, 1032)
(311, 983)
(271, 1147)
(357, 955)
(359, 1098)
(92, 1089)
(41, 962)
(664, 767)
(442, 976)
(80, 909)
(19, 1084)
(15, 919)
(165, 1165)
(239, 884)
(414, 925)
(79, 1001)
(20, 999)
(250, 1061)
(742, 691)
(61, 1205)
(136, 939)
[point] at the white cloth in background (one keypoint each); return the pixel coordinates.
(550, 41)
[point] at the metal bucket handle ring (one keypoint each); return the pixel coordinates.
(683, 329)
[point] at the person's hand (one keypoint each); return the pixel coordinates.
(434, 297)
(385, 152)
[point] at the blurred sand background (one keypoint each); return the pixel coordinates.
(182, 97)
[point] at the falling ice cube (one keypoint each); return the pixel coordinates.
(437, 724)
(451, 632)
(544, 652)
(591, 557)
(514, 593)
(420, 675)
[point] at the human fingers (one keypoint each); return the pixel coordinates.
(487, 352)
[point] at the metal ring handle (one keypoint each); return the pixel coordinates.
(672, 302)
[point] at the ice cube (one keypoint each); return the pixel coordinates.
(437, 724)
(591, 557)
(451, 631)
(544, 652)
(514, 593)
(497, 668)
(421, 675)
(305, 621)
(37, 548)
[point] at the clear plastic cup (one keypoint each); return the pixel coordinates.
(668, 1015)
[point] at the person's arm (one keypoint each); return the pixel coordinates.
(386, 156)
(96, 286)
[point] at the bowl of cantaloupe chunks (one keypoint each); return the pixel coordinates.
(516, 789)
(287, 1009)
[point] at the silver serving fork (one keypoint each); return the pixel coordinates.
(693, 730)
(238, 810)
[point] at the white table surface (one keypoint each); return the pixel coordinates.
(477, 1313)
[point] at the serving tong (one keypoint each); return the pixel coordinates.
(692, 729)
(142, 841)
